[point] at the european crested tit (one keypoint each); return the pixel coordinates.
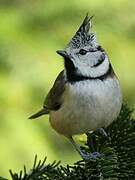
(86, 95)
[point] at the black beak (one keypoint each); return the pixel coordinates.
(63, 53)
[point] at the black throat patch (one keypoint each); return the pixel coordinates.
(73, 77)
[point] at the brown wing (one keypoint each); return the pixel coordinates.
(53, 99)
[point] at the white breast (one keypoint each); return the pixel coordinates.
(87, 105)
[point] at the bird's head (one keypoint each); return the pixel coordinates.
(83, 56)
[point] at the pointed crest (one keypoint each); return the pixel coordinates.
(82, 36)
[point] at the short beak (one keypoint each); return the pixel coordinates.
(63, 53)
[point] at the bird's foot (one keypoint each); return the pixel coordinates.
(103, 133)
(90, 156)
(85, 155)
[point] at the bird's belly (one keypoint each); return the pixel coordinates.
(87, 106)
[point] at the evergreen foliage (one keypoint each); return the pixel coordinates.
(117, 161)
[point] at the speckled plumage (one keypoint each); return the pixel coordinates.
(82, 37)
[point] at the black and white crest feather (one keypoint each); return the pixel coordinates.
(82, 36)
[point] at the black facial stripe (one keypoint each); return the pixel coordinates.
(100, 61)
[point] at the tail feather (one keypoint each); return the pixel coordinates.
(39, 113)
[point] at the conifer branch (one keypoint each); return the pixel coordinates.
(117, 160)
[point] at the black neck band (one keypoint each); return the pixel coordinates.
(73, 77)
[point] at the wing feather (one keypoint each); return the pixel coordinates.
(53, 99)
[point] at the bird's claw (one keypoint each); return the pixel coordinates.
(90, 156)
(103, 133)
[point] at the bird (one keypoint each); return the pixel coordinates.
(86, 95)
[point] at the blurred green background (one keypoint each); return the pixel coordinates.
(30, 33)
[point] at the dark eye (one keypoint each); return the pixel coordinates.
(82, 51)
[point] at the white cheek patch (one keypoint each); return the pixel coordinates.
(101, 69)
(94, 71)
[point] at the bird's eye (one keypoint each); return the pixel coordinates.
(82, 51)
